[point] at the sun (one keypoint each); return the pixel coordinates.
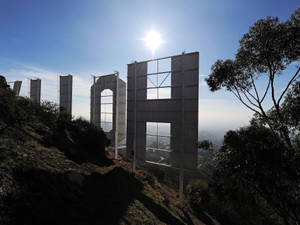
(153, 40)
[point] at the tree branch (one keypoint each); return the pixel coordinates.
(288, 85)
(242, 101)
(260, 101)
(273, 93)
(252, 95)
(250, 100)
(283, 128)
(256, 92)
(267, 89)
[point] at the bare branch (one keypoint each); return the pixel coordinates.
(256, 92)
(267, 89)
(283, 130)
(288, 85)
(260, 101)
(252, 95)
(263, 113)
(273, 93)
(250, 100)
(242, 101)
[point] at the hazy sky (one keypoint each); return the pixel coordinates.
(47, 38)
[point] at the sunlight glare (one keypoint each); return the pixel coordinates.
(153, 40)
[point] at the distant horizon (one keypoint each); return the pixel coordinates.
(228, 118)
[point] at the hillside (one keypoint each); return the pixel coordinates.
(40, 185)
(46, 178)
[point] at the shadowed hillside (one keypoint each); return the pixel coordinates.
(55, 170)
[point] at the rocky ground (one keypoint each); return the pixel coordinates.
(40, 185)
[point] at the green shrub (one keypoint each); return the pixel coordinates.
(77, 138)
(3, 83)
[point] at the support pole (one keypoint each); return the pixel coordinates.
(134, 135)
(182, 135)
(94, 101)
(29, 85)
(37, 93)
(117, 115)
(58, 92)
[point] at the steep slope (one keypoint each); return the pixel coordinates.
(55, 170)
(40, 185)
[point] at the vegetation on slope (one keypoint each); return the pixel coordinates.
(257, 175)
(55, 170)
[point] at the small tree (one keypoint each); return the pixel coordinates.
(266, 50)
(3, 83)
(9, 112)
(251, 159)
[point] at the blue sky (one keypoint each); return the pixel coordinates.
(50, 37)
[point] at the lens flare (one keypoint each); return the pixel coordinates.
(153, 40)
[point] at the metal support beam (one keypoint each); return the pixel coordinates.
(134, 137)
(117, 116)
(182, 136)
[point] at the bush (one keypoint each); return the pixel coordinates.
(10, 112)
(255, 181)
(78, 139)
(252, 160)
(3, 83)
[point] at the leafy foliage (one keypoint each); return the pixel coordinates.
(205, 144)
(266, 50)
(78, 138)
(291, 107)
(3, 83)
(253, 160)
(10, 111)
(290, 114)
(255, 181)
(257, 177)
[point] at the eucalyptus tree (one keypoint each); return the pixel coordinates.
(266, 51)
